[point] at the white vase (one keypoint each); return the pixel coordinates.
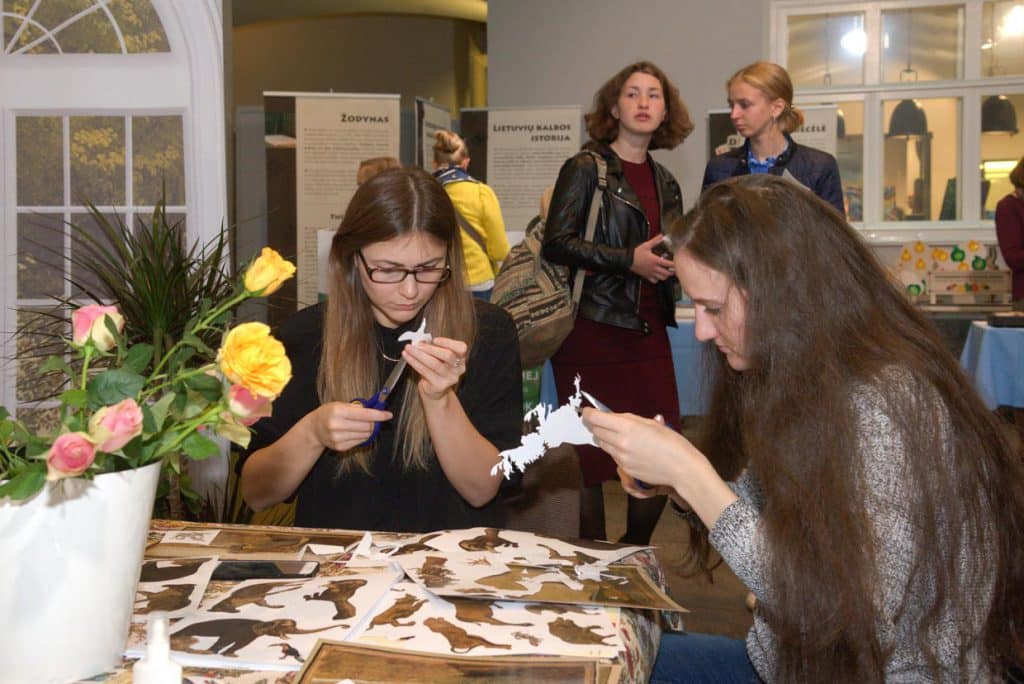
(70, 563)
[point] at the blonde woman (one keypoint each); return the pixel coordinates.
(761, 109)
(484, 242)
(395, 261)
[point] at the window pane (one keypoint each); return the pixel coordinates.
(922, 44)
(96, 252)
(921, 164)
(92, 33)
(40, 255)
(826, 49)
(40, 161)
(1000, 152)
(157, 159)
(140, 25)
(97, 160)
(39, 338)
(850, 155)
(1002, 39)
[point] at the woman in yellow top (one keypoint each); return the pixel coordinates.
(484, 243)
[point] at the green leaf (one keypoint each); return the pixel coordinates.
(53, 364)
(26, 483)
(138, 357)
(191, 339)
(198, 447)
(77, 398)
(207, 386)
(159, 411)
(110, 387)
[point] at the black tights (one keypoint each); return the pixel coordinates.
(641, 516)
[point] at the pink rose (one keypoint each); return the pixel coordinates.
(87, 324)
(71, 454)
(246, 406)
(114, 426)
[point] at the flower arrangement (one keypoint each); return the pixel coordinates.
(126, 405)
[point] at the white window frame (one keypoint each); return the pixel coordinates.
(188, 80)
(971, 89)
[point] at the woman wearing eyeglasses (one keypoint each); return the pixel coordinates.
(395, 260)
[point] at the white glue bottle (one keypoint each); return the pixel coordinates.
(157, 667)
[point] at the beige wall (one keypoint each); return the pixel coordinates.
(412, 56)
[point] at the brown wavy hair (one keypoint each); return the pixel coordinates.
(774, 83)
(393, 203)
(823, 318)
(603, 127)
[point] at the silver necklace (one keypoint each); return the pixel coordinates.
(388, 358)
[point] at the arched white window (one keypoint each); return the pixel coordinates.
(106, 101)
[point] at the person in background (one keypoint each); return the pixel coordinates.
(848, 473)
(484, 242)
(619, 346)
(395, 260)
(1010, 232)
(368, 168)
(762, 111)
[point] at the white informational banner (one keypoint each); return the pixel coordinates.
(819, 129)
(333, 132)
(430, 117)
(526, 147)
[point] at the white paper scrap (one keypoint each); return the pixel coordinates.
(418, 335)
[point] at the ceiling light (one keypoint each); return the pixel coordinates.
(1013, 22)
(998, 115)
(908, 119)
(854, 41)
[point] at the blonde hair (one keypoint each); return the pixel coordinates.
(774, 83)
(368, 168)
(449, 148)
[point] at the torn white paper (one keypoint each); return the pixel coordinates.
(561, 426)
(418, 335)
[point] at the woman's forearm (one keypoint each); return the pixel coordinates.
(464, 454)
(272, 474)
(705, 492)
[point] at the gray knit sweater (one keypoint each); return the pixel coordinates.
(738, 537)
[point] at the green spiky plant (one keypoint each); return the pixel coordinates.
(159, 282)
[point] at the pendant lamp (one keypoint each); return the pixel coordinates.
(998, 115)
(908, 117)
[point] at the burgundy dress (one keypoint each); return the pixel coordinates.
(626, 369)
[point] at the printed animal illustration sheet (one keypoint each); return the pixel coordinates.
(237, 542)
(627, 586)
(173, 586)
(336, 662)
(273, 624)
(411, 618)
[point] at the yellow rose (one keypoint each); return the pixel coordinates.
(268, 272)
(251, 357)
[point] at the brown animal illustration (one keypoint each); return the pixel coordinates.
(171, 597)
(481, 613)
(539, 608)
(233, 634)
(289, 651)
(433, 574)
(571, 633)
(256, 594)
(419, 545)
(402, 608)
(513, 578)
(165, 571)
(490, 540)
(459, 639)
(339, 593)
(578, 557)
(523, 636)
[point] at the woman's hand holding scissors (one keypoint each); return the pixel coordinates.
(440, 364)
(341, 425)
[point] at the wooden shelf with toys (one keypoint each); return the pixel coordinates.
(957, 274)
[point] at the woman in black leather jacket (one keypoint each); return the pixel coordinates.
(619, 346)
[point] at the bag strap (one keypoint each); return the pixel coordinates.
(470, 230)
(595, 209)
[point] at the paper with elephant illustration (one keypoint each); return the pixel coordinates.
(627, 586)
(174, 586)
(272, 624)
(411, 618)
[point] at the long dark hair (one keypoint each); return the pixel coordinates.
(395, 202)
(822, 320)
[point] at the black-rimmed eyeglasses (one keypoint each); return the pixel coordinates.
(392, 276)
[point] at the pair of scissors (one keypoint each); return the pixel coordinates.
(603, 408)
(379, 400)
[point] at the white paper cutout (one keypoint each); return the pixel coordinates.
(190, 537)
(554, 428)
(418, 335)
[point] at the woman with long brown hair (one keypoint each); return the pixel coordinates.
(395, 260)
(849, 474)
(619, 345)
